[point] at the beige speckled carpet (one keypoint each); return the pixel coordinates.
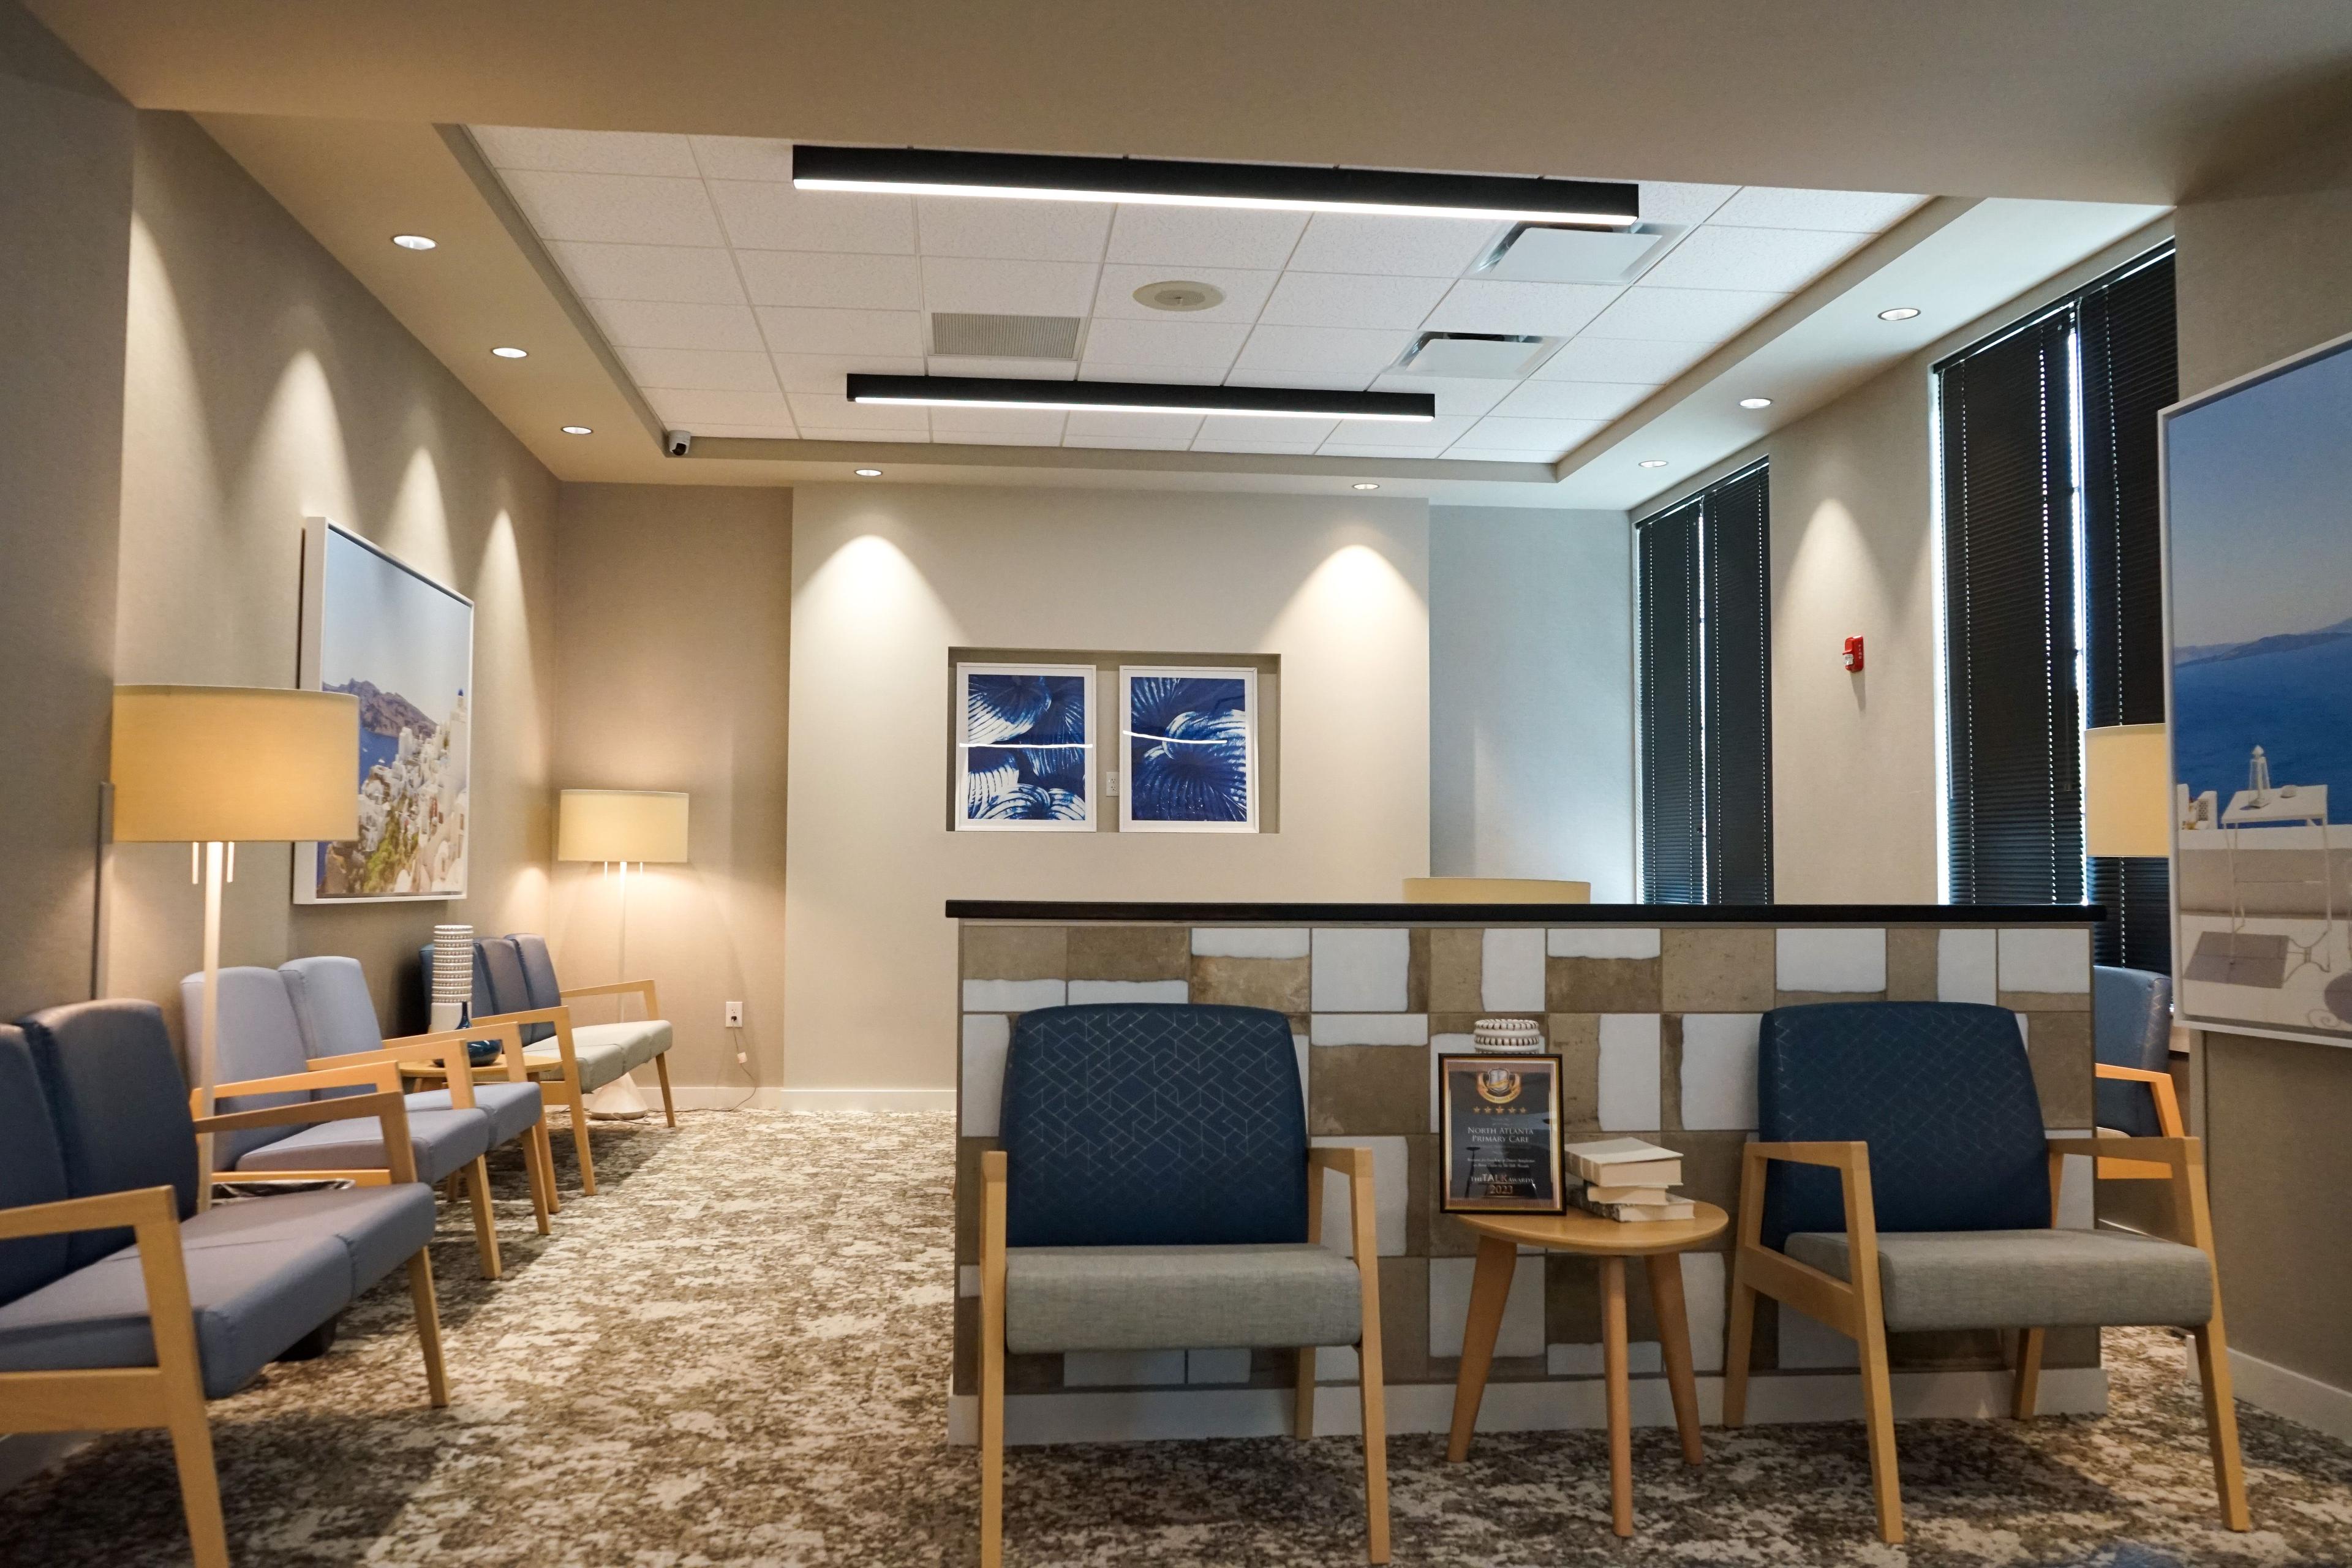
(737, 1354)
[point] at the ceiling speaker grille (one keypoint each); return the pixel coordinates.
(976, 336)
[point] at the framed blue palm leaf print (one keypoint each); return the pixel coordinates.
(1190, 748)
(1025, 748)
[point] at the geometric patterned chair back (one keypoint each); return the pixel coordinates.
(1153, 1125)
(1941, 1091)
(2131, 1026)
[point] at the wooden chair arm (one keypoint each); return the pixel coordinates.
(618, 988)
(108, 1211)
(2160, 1086)
(1348, 1160)
(333, 1075)
(1838, 1156)
(2171, 1152)
(995, 1169)
(390, 1105)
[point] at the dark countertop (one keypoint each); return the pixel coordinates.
(1529, 914)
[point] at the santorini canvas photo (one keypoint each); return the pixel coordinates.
(2259, 533)
(402, 644)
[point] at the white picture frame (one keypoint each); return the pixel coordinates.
(1001, 785)
(1143, 734)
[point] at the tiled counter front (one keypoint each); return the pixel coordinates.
(1655, 1025)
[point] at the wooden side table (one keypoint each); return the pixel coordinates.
(1660, 1243)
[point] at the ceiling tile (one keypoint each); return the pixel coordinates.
(1306, 349)
(704, 369)
(1539, 310)
(1553, 435)
(1207, 443)
(1782, 260)
(689, 408)
(1441, 432)
(995, 439)
(1025, 426)
(1572, 399)
(1013, 230)
(1303, 434)
(1483, 455)
(810, 408)
(677, 274)
(1772, 206)
(586, 151)
(1590, 357)
(1687, 315)
(1153, 427)
(1315, 381)
(706, 430)
(1020, 368)
(630, 209)
(655, 324)
(1410, 246)
(1351, 300)
(1339, 449)
(1244, 292)
(1455, 394)
(1165, 342)
(1169, 375)
(1204, 237)
(823, 372)
(1664, 201)
(898, 333)
(863, 438)
(778, 218)
(743, 158)
(1008, 288)
(832, 281)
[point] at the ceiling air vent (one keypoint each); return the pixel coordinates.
(1485, 355)
(1543, 253)
(968, 335)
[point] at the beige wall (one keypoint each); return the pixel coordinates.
(672, 626)
(65, 191)
(886, 579)
(263, 383)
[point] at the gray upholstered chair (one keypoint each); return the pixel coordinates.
(1903, 1181)
(262, 1063)
(123, 1306)
(2131, 1034)
(1153, 1192)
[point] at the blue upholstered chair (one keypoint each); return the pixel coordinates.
(263, 1063)
(514, 982)
(2131, 1034)
(123, 1306)
(1903, 1181)
(1153, 1192)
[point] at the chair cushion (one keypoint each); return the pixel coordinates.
(118, 1104)
(599, 1064)
(2025, 1278)
(445, 1142)
(511, 1107)
(1941, 1091)
(1179, 1297)
(2131, 1026)
(380, 1227)
(1153, 1125)
(252, 1299)
(640, 1039)
(32, 1168)
(259, 1038)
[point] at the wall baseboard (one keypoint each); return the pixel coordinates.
(721, 1097)
(1129, 1416)
(2282, 1391)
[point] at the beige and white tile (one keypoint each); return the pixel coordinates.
(1831, 958)
(1522, 1333)
(1361, 970)
(1628, 1072)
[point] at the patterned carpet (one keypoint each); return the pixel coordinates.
(736, 1355)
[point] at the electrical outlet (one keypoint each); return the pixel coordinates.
(734, 1014)
(1110, 784)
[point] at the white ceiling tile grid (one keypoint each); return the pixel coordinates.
(738, 305)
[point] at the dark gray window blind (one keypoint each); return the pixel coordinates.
(1703, 667)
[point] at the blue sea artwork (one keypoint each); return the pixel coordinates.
(1189, 751)
(1026, 758)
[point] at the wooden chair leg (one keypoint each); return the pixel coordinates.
(1878, 1412)
(991, 1429)
(429, 1329)
(542, 1189)
(544, 1147)
(1372, 1394)
(661, 1071)
(2221, 1423)
(1490, 1292)
(1302, 1402)
(191, 1451)
(486, 1230)
(2026, 1390)
(579, 1104)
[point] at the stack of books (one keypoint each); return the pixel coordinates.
(1627, 1179)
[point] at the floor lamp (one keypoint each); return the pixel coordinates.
(209, 765)
(616, 827)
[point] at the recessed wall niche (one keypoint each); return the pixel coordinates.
(1051, 747)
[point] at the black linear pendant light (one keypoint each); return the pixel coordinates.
(1140, 398)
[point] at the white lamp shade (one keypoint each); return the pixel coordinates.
(2127, 790)
(619, 825)
(201, 763)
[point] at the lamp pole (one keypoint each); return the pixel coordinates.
(209, 1016)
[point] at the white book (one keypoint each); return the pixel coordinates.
(1624, 1162)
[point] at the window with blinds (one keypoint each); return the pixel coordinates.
(1705, 672)
(2053, 600)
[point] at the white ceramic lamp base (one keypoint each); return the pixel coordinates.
(619, 1101)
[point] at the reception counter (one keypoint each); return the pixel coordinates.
(1653, 1010)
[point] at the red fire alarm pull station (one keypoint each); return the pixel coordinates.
(1853, 656)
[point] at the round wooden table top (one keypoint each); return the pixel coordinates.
(1577, 1231)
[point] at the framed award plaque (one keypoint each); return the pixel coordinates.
(1502, 1136)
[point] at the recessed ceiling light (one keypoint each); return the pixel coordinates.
(867, 473)
(1140, 398)
(1754, 403)
(1654, 462)
(1900, 313)
(512, 354)
(578, 430)
(915, 170)
(411, 242)
(1366, 485)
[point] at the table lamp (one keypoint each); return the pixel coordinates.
(618, 826)
(2127, 791)
(213, 764)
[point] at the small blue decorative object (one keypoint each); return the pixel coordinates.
(1026, 746)
(1191, 751)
